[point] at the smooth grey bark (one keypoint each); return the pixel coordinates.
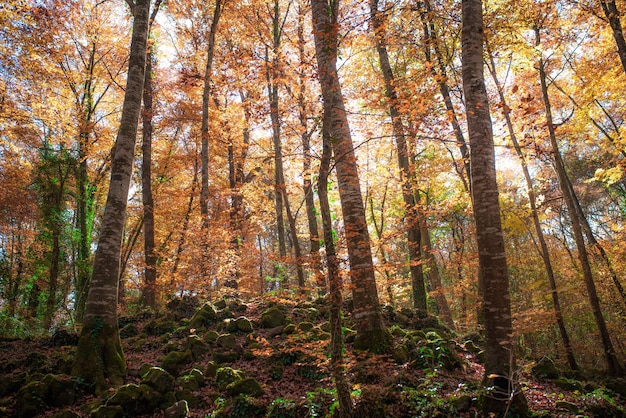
(99, 358)
(570, 198)
(410, 195)
(501, 391)
(371, 332)
(532, 200)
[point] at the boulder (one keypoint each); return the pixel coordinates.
(273, 317)
(204, 317)
(175, 361)
(179, 410)
(545, 369)
(247, 386)
(159, 379)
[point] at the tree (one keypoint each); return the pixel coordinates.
(371, 332)
(99, 358)
(501, 391)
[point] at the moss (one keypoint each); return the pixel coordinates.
(545, 368)
(211, 336)
(305, 326)
(227, 341)
(99, 357)
(273, 317)
(203, 317)
(105, 411)
(401, 354)
(158, 379)
(244, 325)
(247, 386)
(227, 375)
(179, 409)
(31, 400)
(211, 369)
(129, 398)
(196, 346)
(377, 341)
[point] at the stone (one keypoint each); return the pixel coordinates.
(196, 346)
(211, 336)
(31, 400)
(227, 341)
(247, 386)
(175, 361)
(211, 369)
(227, 375)
(66, 413)
(305, 326)
(159, 379)
(106, 411)
(244, 325)
(461, 403)
(567, 406)
(204, 317)
(273, 317)
(179, 410)
(545, 369)
(129, 398)
(401, 354)
(61, 390)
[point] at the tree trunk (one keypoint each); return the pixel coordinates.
(613, 365)
(204, 131)
(407, 175)
(307, 185)
(501, 391)
(99, 358)
(543, 246)
(334, 281)
(613, 15)
(371, 332)
(150, 268)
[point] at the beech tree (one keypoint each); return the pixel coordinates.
(501, 391)
(371, 332)
(99, 358)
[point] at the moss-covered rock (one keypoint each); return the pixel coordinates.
(222, 357)
(192, 381)
(568, 384)
(211, 336)
(241, 406)
(31, 400)
(401, 354)
(545, 369)
(567, 406)
(185, 394)
(106, 411)
(224, 376)
(12, 383)
(461, 403)
(130, 399)
(226, 341)
(247, 386)
(284, 408)
(230, 325)
(66, 413)
(273, 317)
(288, 329)
(204, 317)
(61, 390)
(375, 341)
(183, 307)
(130, 330)
(159, 327)
(305, 326)
(244, 325)
(196, 346)
(159, 379)
(175, 361)
(211, 369)
(180, 409)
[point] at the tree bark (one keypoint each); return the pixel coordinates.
(334, 280)
(543, 246)
(612, 14)
(371, 332)
(613, 364)
(501, 392)
(407, 176)
(99, 358)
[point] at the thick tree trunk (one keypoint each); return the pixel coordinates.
(99, 358)
(500, 388)
(407, 175)
(543, 246)
(371, 331)
(613, 364)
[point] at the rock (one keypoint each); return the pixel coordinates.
(222, 357)
(326, 327)
(144, 368)
(159, 379)
(179, 410)
(227, 341)
(461, 403)
(130, 330)
(63, 337)
(230, 325)
(159, 327)
(211, 336)
(192, 381)
(220, 304)
(204, 317)
(196, 346)
(105, 411)
(244, 325)
(66, 413)
(241, 406)
(276, 331)
(283, 408)
(617, 385)
(305, 326)
(288, 329)
(247, 386)
(567, 406)
(183, 307)
(227, 375)
(401, 354)
(568, 384)
(61, 390)
(273, 317)
(12, 383)
(31, 400)
(175, 361)
(150, 397)
(211, 369)
(545, 369)
(187, 395)
(129, 398)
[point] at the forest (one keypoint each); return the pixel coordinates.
(345, 208)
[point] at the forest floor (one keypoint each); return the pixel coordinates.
(269, 357)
